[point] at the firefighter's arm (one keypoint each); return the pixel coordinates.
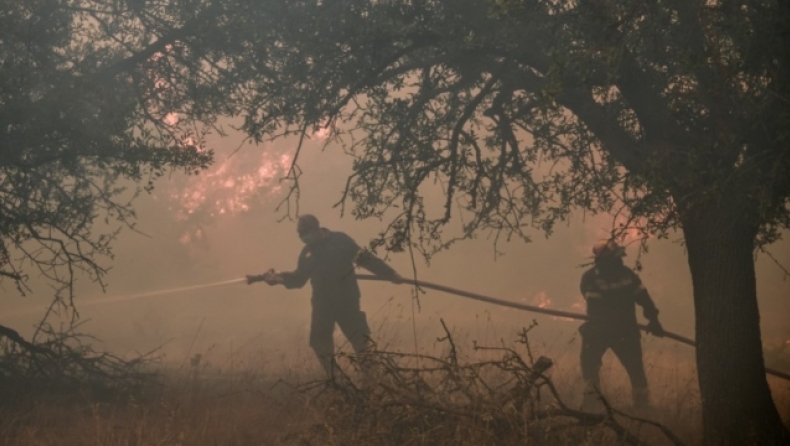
(370, 262)
(299, 277)
(294, 279)
(649, 310)
(290, 279)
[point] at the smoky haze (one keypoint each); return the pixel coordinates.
(240, 233)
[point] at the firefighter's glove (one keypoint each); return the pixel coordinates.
(272, 277)
(654, 328)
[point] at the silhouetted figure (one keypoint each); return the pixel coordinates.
(327, 261)
(611, 291)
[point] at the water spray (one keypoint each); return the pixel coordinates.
(163, 292)
(138, 296)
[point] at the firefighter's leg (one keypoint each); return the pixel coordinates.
(629, 351)
(354, 325)
(593, 348)
(322, 327)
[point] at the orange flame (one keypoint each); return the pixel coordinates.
(228, 188)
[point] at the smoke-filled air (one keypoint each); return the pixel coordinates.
(365, 222)
(216, 227)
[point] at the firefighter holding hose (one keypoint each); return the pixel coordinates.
(611, 291)
(327, 261)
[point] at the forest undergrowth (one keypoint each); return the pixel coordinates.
(468, 394)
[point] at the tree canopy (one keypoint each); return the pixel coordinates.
(86, 125)
(525, 110)
(672, 113)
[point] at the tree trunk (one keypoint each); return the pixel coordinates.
(737, 406)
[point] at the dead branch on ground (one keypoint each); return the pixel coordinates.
(63, 359)
(506, 398)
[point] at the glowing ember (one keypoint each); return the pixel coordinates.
(171, 119)
(322, 133)
(542, 300)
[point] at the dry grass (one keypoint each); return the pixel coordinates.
(187, 410)
(248, 403)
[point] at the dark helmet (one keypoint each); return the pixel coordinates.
(607, 248)
(307, 223)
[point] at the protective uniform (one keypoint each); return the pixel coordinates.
(611, 291)
(328, 263)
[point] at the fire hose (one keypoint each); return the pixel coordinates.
(536, 309)
(417, 283)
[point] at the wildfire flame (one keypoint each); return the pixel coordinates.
(228, 188)
(542, 300)
(600, 226)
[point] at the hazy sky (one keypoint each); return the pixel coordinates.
(272, 323)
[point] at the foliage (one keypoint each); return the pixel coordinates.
(87, 123)
(525, 110)
(671, 114)
(86, 126)
(506, 398)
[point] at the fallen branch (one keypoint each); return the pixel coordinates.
(400, 398)
(63, 360)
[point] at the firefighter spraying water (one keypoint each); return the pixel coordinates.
(327, 261)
